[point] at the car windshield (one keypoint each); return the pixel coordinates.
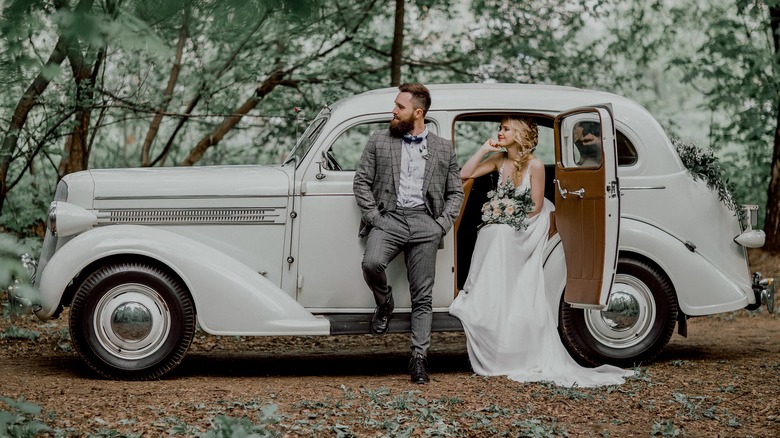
(307, 139)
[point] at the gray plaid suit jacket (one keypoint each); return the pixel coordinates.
(378, 175)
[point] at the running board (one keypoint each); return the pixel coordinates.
(359, 323)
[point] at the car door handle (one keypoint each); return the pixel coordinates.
(564, 192)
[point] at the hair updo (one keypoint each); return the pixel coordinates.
(526, 135)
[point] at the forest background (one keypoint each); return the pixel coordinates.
(127, 83)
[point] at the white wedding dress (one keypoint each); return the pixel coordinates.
(510, 328)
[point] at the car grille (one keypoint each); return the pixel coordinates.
(186, 216)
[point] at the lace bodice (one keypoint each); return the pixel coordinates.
(508, 185)
(508, 204)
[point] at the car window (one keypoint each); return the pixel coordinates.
(585, 147)
(345, 152)
(625, 150)
(471, 133)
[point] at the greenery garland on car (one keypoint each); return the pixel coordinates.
(703, 165)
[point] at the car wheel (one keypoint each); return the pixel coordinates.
(132, 321)
(637, 325)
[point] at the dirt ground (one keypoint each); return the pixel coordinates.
(722, 380)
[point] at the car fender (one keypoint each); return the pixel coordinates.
(554, 274)
(230, 298)
(702, 289)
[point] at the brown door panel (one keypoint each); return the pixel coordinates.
(581, 219)
(584, 271)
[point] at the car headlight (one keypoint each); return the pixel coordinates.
(67, 219)
(750, 238)
(749, 216)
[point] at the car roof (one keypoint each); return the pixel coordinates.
(534, 98)
(492, 96)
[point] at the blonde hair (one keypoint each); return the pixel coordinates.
(526, 135)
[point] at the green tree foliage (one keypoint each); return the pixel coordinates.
(188, 82)
(737, 68)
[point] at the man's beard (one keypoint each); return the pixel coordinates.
(399, 127)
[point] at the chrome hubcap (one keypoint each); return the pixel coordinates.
(132, 321)
(629, 316)
(622, 311)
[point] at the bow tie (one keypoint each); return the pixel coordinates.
(412, 138)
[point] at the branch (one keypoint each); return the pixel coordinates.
(22, 111)
(268, 85)
(196, 99)
(350, 34)
(167, 94)
(396, 52)
(39, 145)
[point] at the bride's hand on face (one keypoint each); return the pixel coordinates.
(491, 145)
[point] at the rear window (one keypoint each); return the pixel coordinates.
(625, 150)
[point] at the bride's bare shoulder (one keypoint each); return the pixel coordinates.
(536, 165)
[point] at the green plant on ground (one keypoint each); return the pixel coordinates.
(21, 420)
(571, 393)
(14, 332)
(229, 427)
(536, 427)
(692, 406)
(665, 428)
(16, 292)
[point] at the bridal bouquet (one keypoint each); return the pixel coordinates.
(509, 206)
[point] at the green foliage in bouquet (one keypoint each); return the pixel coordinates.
(508, 205)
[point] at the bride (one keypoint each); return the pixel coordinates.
(510, 328)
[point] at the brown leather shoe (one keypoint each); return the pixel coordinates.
(380, 322)
(417, 370)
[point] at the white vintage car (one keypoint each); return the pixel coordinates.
(637, 245)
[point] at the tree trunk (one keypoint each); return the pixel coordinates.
(398, 45)
(19, 116)
(231, 121)
(772, 220)
(76, 152)
(167, 94)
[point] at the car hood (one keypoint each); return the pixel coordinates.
(178, 182)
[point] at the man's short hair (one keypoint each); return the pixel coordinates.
(421, 97)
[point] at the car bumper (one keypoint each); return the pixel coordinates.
(764, 290)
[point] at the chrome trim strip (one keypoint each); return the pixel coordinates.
(192, 216)
(130, 197)
(643, 188)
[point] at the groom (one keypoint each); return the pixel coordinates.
(408, 188)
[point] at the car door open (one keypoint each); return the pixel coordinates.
(587, 202)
